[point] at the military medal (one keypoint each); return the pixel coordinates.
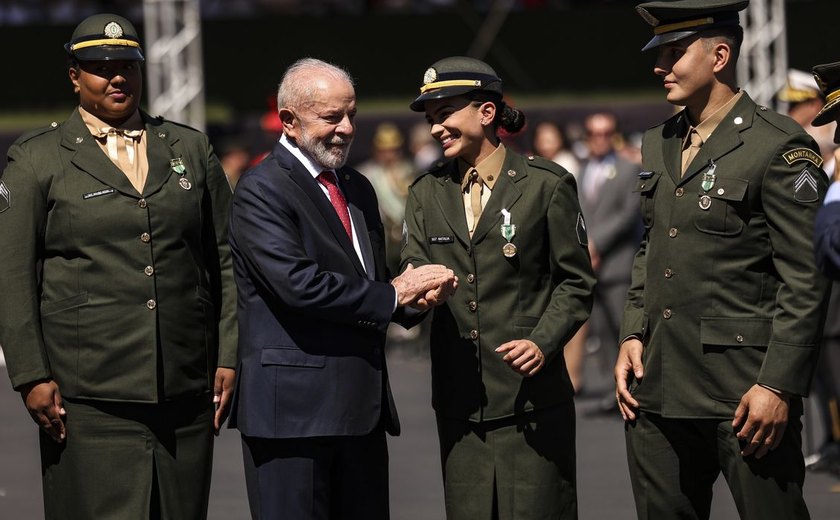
(707, 184)
(508, 231)
(709, 177)
(178, 167)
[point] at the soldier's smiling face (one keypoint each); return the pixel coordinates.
(110, 90)
(456, 125)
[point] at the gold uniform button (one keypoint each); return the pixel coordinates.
(151, 304)
(146, 238)
(739, 338)
(473, 334)
(679, 192)
(666, 314)
(470, 278)
(673, 232)
(142, 203)
(472, 306)
(669, 273)
(149, 270)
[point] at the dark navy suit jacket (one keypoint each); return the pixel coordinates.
(827, 240)
(312, 321)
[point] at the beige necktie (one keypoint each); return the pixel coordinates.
(691, 150)
(475, 186)
(121, 144)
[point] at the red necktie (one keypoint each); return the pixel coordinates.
(327, 178)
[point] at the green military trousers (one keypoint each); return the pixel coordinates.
(674, 464)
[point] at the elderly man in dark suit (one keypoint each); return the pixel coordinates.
(313, 401)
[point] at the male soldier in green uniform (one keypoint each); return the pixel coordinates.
(724, 314)
(117, 308)
(511, 228)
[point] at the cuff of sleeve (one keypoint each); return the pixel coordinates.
(633, 324)
(788, 368)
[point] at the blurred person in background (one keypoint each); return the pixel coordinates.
(549, 141)
(234, 156)
(510, 227)
(390, 172)
(117, 312)
(818, 115)
(614, 226)
(425, 151)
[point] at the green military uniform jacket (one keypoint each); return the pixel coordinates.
(725, 293)
(543, 293)
(115, 294)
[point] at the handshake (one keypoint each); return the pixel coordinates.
(425, 287)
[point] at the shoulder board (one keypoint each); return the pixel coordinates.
(545, 164)
(433, 170)
(160, 120)
(780, 121)
(38, 131)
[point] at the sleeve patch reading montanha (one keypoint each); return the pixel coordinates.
(803, 154)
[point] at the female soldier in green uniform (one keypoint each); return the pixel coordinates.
(510, 227)
(117, 313)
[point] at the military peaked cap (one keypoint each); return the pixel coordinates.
(454, 76)
(105, 37)
(828, 78)
(677, 19)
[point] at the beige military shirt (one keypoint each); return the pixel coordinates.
(484, 178)
(126, 146)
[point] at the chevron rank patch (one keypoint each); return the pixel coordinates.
(5, 197)
(803, 154)
(580, 229)
(805, 187)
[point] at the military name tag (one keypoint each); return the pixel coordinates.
(99, 193)
(441, 239)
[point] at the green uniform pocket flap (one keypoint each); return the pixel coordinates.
(747, 332)
(646, 183)
(729, 189)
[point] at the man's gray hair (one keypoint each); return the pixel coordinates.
(296, 89)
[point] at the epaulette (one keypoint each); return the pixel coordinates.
(38, 131)
(431, 170)
(546, 164)
(782, 122)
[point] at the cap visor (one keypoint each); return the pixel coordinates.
(661, 39)
(109, 52)
(419, 104)
(827, 114)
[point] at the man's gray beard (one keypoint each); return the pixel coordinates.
(331, 157)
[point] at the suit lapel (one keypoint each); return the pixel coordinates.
(504, 196)
(359, 225)
(301, 176)
(86, 155)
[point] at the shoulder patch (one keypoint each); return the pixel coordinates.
(803, 154)
(5, 197)
(805, 187)
(580, 229)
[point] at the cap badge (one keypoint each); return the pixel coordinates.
(113, 30)
(430, 76)
(820, 82)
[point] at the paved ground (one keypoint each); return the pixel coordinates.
(416, 493)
